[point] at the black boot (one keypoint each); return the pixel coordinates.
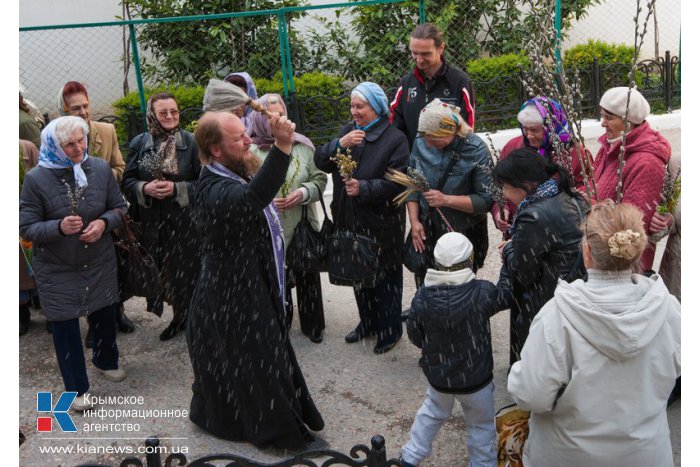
(24, 318)
(88, 338)
(172, 330)
(124, 324)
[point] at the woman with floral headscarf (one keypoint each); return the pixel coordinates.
(162, 168)
(545, 127)
(365, 201)
(68, 205)
(303, 186)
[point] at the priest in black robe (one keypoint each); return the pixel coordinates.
(247, 383)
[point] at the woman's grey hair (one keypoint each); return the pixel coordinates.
(67, 125)
(530, 116)
(359, 95)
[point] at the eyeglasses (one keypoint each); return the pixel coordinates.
(78, 108)
(165, 113)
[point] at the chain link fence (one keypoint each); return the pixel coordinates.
(313, 55)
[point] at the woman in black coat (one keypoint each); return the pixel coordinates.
(545, 236)
(161, 172)
(363, 203)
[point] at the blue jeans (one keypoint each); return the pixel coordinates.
(380, 307)
(436, 409)
(69, 347)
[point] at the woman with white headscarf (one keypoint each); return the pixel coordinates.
(365, 199)
(68, 205)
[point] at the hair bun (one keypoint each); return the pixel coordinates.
(623, 244)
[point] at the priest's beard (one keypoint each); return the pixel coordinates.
(246, 166)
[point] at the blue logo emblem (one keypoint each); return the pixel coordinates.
(44, 403)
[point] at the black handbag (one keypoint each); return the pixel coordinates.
(419, 263)
(308, 249)
(353, 258)
(138, 273)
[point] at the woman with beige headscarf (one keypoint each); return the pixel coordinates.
(456, 162)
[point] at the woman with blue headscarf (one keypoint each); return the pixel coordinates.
(365, 201)
(68, 205)
(545, 127)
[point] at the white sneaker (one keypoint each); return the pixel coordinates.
(114, 375)
(81, 404)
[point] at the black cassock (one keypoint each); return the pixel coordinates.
(247, 383)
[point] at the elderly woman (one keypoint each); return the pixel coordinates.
(544, 245)
(159, 178)
(602, 357)
(646, 154)
(68, 206)
(544, 126)
(457, 164)
(303, 185)
(365, 201)
(245, 82)
(102, 142)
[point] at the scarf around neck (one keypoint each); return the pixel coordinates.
(273, 224)
(546, 189)
(167, 152)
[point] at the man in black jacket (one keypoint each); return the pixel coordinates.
(431, 78)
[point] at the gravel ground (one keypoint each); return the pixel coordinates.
(358, 393)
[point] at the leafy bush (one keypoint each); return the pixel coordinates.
(581, 56)
(497, 87)
(320, 98)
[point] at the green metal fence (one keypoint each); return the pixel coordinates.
(311, 53)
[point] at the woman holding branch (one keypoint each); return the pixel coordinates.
(362, 202)
(457, 165)
(159, 180)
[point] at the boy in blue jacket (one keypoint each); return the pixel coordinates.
(449, 321)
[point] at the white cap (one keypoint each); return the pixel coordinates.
(615, 101)
(452, 248)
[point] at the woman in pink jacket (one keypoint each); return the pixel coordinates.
(646, 154)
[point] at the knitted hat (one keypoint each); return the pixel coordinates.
(615, 101)
(438, 119)
(452, 248)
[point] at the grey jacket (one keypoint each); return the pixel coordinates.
(74, 278)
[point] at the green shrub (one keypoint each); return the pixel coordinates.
(487, 68)
(322, 92)
(581, 56)
(496, 83)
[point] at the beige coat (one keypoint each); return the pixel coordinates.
(103, 143)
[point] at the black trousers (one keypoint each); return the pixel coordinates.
(380, 307)
(69, 347)
(309, 301)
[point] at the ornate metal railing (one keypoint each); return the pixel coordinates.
(360, 456)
